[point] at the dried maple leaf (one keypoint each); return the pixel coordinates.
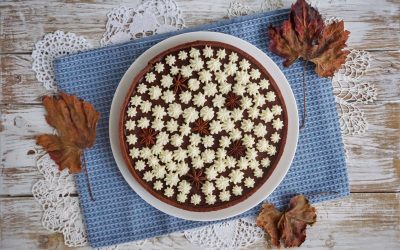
(289, 226)
(75, 121)
(306, 36)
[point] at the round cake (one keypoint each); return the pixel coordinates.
(203, 126)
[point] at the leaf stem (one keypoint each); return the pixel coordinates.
(88, 179)
(304, 118)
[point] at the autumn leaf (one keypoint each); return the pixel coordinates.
(306, 36)
(290, 226)
(75, 121)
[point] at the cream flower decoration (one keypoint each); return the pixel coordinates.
(218, 101)
(168, 96)
(140, 165)
(221, 53)
(275, 137)
(205, 76)
(169, 192)
(206, 113)
(174, 110)
(210, 199)
(211, 173)
(255, 74)
(222, 183)
(224, 196)
(208, 155)
(186, 71)
(166, 81)
(196, 64)
(249, 182)
(237, 190)
(230, 68)
(142, 88)
(131, 111)
(236, 176)
(194, 53)
(182, 55)
(233, 57)
(264, 84)
(210, 89)
(248, 140)
(159, 67)
(131, 139)
(155, 92)
(172, 179)
(170, 60)
(260, 130)
(185, 97)
(220, 76)
(145, 106)
(143, 122)
(214, 64)
(208, 52)
(215, 127)
(130, 125)
(193, 84)
(267, 115)
(207, 188)
(276, 110)
(195, 199)
(271, 96)
(172, 126)
(190, 115)
(199, 99)
(136, 100)
(150, 77)
(277, 124)
(208, 141)
(242, 77)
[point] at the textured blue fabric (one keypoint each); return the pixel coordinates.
(118, 214)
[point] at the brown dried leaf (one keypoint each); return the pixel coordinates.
(306, 36)
(290, 226)
(75, 121)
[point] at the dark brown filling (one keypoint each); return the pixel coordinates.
(236, 149)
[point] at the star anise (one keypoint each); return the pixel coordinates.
(179, 83)
(147, 137)
(237, 149)
(196, 177)
(232, 101)
(201, 127)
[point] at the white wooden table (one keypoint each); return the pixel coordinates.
(368, 219)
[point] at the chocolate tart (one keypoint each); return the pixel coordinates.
(203, 126)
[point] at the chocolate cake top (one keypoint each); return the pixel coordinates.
(203, 126)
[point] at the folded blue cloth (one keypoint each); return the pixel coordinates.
(118, 214)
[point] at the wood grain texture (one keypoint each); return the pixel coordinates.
(17, 75)
(24, 23)
(368, 219)
(361, 221)
(373, 157)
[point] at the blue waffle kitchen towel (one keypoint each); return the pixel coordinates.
(118, 214)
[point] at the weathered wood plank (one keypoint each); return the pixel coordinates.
(361, 221)
(373, 26)
(373, 157)
(20, 84)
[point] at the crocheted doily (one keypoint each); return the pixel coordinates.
(54, 192)
(149, 18)
(52, 46)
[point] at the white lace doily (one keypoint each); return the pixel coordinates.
(52, 46)
(61, 209)
(227, 235)
(149, 18)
